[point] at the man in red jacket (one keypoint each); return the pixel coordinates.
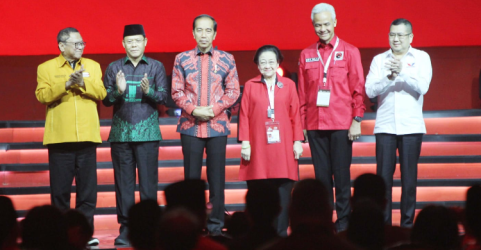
(331, 95)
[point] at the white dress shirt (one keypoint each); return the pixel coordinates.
(400, 101)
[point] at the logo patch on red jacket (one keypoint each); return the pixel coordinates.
(338, 55)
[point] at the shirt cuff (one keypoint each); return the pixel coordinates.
(60, 88)
(82, 89)
(189, 108)
(357, 112)
(116, 94)
(150, 94)
(217, 109)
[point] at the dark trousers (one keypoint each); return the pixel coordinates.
(69, 161)
(126, 158)
(215, 148)
(285, 189)
(409, 147)
(331, 152)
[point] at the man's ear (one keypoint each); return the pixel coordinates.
(61, 46)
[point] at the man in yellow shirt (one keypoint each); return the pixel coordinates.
(70, 86)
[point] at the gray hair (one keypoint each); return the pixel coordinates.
(321, 8)
(64, 34)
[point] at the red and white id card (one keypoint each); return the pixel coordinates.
(272, 130)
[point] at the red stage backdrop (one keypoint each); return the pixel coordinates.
(29, 27)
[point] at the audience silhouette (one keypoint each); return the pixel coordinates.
(370, 193)
(8, 224)
(311, 220)
(144, 225)
(78, 229)
(44, 228)
(262, 208)
(472, 222)
(182, 225)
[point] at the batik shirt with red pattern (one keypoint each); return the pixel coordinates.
(204, 79)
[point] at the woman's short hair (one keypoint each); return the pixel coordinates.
(266, 48)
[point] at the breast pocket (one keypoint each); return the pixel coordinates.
(338, 69)
(312, 69)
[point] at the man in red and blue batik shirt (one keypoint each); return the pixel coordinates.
(205, 84)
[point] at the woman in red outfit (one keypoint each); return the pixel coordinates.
(270, 130)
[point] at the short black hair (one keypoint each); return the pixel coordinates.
(266, 48)
(64, 34)
(369, 186)
(262, 202)
(203, 16)
(400, 21)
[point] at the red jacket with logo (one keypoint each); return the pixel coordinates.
(345, 80)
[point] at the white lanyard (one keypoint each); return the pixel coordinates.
(326, 66)
(270, 95)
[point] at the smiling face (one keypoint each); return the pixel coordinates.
(134, 46)
(69, 50)
(324, 26)
(204, 33)
(268, 64)
(400, 39)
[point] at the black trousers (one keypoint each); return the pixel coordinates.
(69, 161)
(127, 157)
(285, 189)
(331, 152)
(215, 148)
(409, 147)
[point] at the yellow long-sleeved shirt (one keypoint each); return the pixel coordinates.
(71, 115)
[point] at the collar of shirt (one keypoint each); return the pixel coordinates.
(331, 43)
(144, 58)
(410, 52)
(210, 52)
(61, 61)
(264, 80)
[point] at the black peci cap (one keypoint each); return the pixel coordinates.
(134, 29)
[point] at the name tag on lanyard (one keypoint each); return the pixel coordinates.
(324, 95)
(273, 134)
(323, 98)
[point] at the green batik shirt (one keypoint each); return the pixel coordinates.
(135, 117)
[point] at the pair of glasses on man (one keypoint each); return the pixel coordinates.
(401, 36)
(77, 45)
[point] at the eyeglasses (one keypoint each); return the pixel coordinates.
(136, 41)
(78, 45)
(264, 63)
(401, 36)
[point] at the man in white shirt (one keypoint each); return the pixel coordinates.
(399, 78)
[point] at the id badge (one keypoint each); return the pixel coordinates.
(323, 97)
(273, 134)
(270, 113)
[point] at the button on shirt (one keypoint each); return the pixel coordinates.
(345, 80)
(401, 100)
(204, 79)
(135, 117)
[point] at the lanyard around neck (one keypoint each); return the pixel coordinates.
(326, 65)
(270, 94)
